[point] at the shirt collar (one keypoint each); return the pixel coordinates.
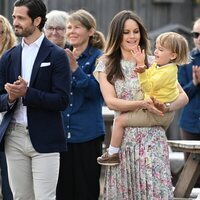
(195, 52)
(37, 42)
(88, 51)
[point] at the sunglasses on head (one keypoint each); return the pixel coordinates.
(195, 34)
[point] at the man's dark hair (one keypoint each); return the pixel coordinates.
(36, 8)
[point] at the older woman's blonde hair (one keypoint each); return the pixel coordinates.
(8, 37)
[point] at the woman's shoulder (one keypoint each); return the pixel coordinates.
(101, 65)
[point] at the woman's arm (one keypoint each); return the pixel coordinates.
(181, 101)
(114, 103)
(82, 78)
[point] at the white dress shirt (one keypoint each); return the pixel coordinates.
(29, 53)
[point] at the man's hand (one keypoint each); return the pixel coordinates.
(17, 89)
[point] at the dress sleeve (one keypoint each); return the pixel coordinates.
(99, 68)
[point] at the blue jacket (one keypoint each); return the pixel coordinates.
(83, 118)
(46, 97)
(190, 116)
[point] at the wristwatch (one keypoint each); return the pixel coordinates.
(168, 106)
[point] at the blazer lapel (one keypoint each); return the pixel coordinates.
(42, 54)
(17, 55)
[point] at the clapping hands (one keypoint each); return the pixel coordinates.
(196, 74)
(72, 59)
(17, 89)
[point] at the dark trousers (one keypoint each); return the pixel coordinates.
(6, 191)
(79, 172)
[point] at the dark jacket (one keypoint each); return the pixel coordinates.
(190, 116)
(46, 97)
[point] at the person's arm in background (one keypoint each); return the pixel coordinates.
(188, 81)
(181, 101)
(196, 75)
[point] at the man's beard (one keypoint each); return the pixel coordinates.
(24, 32)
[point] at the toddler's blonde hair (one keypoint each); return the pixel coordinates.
(175, 43)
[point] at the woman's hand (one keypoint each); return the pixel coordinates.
(159, 105)
(72, 60)
(196, 74)
(151, 107)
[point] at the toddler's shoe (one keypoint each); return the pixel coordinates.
(108, 160)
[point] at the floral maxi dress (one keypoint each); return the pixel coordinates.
(144, 169)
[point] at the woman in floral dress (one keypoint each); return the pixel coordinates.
(144, 169)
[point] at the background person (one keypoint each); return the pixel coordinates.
(35, 83)
(7, 36)
(55, 27)
(84, 125)
(189, 78)
(7, 41)
(144, 170)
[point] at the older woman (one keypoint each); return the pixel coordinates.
(55, 27)
(83, 120)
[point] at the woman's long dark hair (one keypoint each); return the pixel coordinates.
(115, 35)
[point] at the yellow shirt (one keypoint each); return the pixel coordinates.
(160, 82)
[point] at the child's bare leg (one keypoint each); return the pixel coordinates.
(118, 130)
(117, 133)
(111, 156)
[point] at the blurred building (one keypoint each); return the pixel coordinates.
(154, 13)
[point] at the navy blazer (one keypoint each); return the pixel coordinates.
(47, 95)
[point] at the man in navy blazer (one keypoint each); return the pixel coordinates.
(35, 83)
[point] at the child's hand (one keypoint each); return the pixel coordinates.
(139, 55)
(140, 69)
